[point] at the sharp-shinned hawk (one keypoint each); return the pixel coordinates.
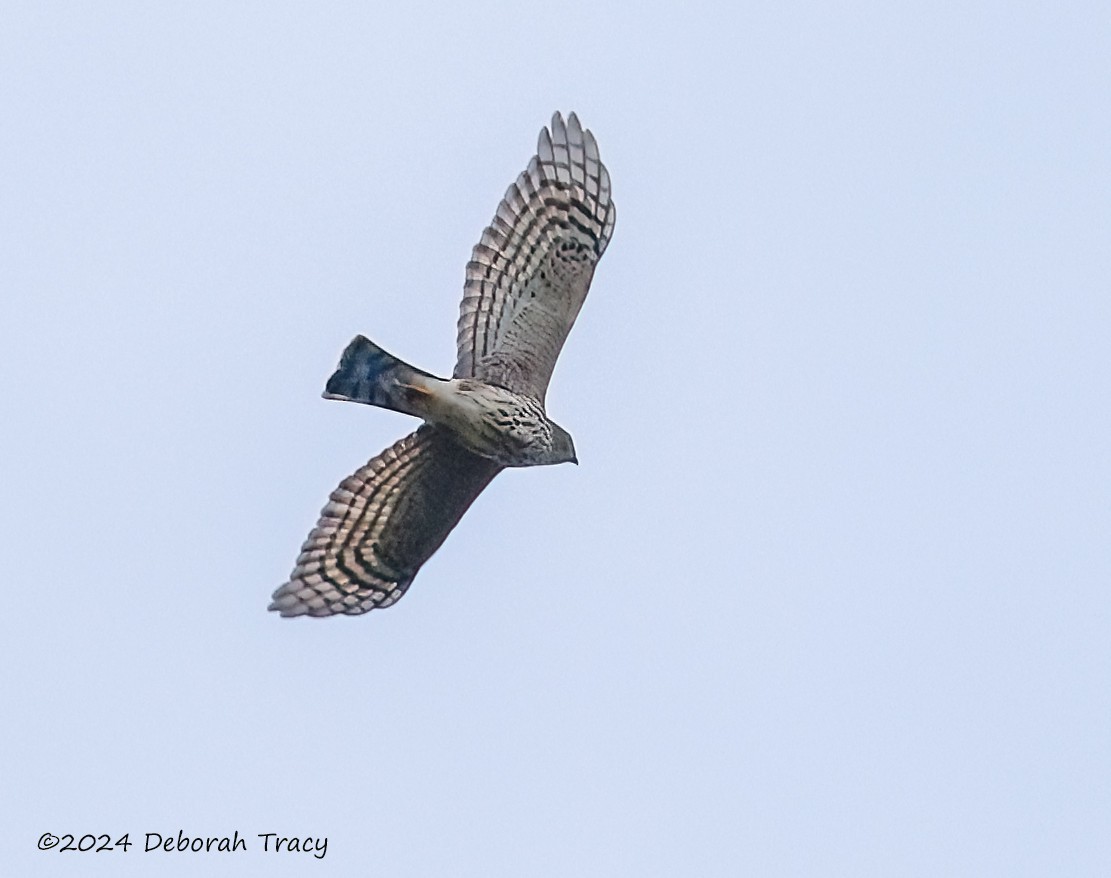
(526, 281)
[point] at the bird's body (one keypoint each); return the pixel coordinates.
(511, 429)
(508, 428)
(526, 281)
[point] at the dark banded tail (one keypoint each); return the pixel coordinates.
(370, 375)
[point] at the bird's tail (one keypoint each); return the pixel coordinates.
(370, 375)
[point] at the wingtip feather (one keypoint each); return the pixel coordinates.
(544, 146)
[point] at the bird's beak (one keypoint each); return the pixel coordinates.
(575, 461)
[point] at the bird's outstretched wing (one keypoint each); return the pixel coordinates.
(531, 271)
(382, 523)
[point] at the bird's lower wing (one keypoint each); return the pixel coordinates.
(382, 523)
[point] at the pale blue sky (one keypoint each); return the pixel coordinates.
(829, 593)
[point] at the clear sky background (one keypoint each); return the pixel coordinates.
(829, 592)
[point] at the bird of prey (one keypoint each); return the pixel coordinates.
(525, 283)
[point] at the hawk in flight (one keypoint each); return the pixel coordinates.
(525, 284)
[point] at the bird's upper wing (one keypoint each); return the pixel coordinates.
(382, 523)
(531, 271)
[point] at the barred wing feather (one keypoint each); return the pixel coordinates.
(382, 523)
(531, 271)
